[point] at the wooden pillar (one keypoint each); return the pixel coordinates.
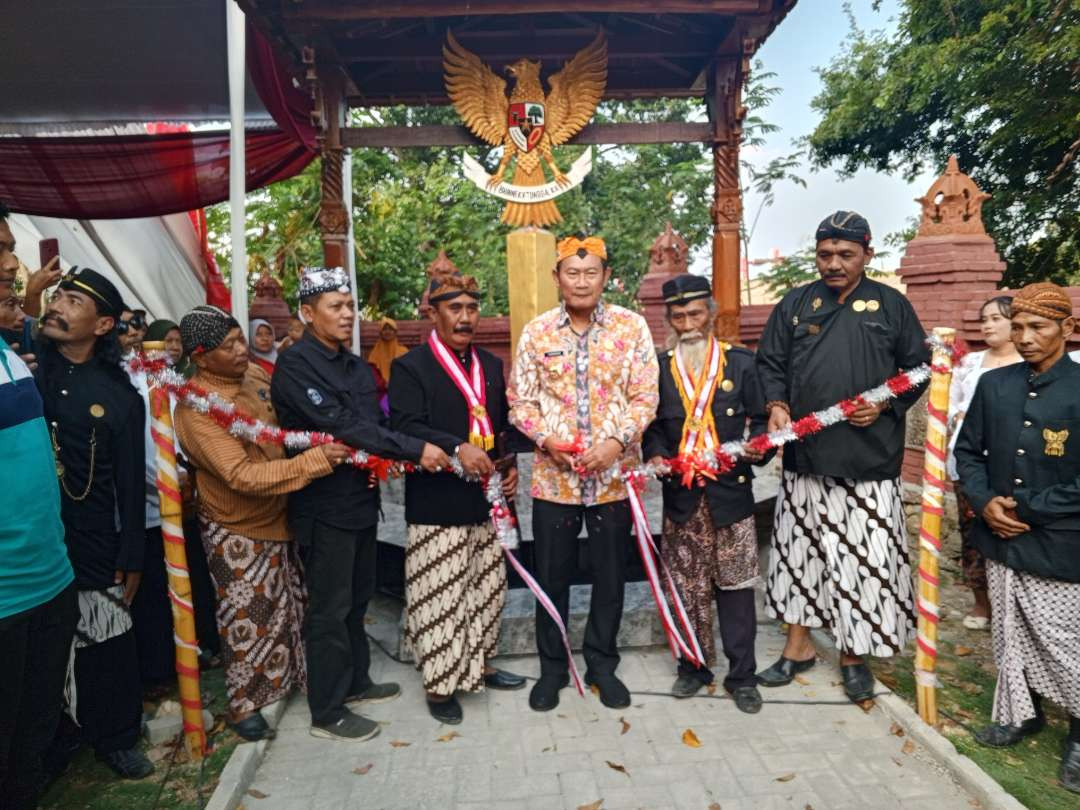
(725, 114)
(726, 216)
(333, 216)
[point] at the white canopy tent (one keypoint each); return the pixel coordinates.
(155, 262)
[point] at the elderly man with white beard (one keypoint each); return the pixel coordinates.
(709, 394)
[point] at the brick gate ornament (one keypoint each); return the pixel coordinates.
(528, 124)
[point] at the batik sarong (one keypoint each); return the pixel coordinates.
(1036, 642)
(701, 557)
(455, 589)
(839, 559)
(260, 612)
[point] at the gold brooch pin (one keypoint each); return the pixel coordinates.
(97, 411)
(727, 385)
(815, 304)
(1055, 441)
(873, 305)
(859, 306)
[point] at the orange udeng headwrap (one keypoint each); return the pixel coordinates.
(572, 244)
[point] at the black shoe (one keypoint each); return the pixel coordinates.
(998, 735)
(350, 727)
(446, 711)
(545, 692)
(613, 693)
(501, 679)
(784, 671)
(858, 682)
(1069, 775)
(253, 728)
(747, 699)
(686, 686)
(129, 764)
(376, 693)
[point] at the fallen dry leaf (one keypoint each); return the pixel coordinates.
(867, 705)
(591, 805)
(615, 766)
(715, 806)
(896, 730)
(450, 735)
(787, 777)
(595, 690)
(625, 726)
(961, 650)
(257, 794)
(691, 739)
(363, 769)
(711, 688)
(908, 747)
(399, 744)
(799, 679)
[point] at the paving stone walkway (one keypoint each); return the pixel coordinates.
(791, 755)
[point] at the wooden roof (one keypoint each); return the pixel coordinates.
(391, 50)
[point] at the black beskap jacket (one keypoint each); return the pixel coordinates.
(730, 498)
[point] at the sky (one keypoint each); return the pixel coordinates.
(809, 37)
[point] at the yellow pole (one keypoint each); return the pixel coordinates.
(933, 508)
(530, 258)
(172, 532)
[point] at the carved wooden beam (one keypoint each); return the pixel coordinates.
(390, 9)
(420, 136)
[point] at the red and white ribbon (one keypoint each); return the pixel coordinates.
(481, 433)
(681, 647)
(699, 430)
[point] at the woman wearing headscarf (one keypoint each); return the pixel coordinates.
(386, 349)
(262, 350)
(167, 332)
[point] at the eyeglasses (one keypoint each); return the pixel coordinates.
(589, 274)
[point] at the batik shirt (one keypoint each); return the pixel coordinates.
(599, 385)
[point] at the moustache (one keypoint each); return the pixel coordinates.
(463, 330)
(691, 337)
(55, 319)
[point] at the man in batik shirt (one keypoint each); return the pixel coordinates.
(1018, 456)
(709, 390)
(583, 388)
(839, 555)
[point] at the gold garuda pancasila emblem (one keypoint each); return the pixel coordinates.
(528, 124)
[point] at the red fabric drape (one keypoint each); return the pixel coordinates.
(288, 105)
(120, 176)
(125, 176)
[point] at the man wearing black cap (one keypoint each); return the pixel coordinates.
(839, 556)
(709, 390)
(96, 420)
(452, 394)
(320, 385)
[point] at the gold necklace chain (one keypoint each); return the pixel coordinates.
(61, 471)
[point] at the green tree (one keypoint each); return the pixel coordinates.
(410, 203)
(995, 82)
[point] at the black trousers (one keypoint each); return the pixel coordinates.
(339, 567)
(737, 616)
(555, 531)
(109, 693)
(34, 647)
(151, 614)
(203, 594)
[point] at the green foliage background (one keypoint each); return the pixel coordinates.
(409, 203)
(996, 82)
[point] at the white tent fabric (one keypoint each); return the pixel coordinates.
(155, 262)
